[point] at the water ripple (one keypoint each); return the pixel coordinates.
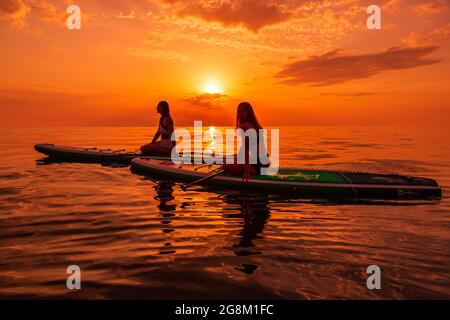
(146, 238)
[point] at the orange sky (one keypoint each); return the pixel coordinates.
(298, 62)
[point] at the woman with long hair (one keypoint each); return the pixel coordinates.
(165, 130)
(246, 120)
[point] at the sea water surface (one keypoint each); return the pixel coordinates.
(140, 237)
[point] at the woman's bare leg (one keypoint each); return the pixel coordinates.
(236, 168)
(152, 148)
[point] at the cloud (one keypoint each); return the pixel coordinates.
(350, 94)
(294, 27)
(393, 5)
(207, 100)
(155, 39)
(311, 28)
(333, 68)
(157, 53)
(11, 6)
(252, 14)
(439, 34)
(15, 11)
(130, 16)
(347, 95)
(431, 7)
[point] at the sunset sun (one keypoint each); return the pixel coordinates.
(212, 88)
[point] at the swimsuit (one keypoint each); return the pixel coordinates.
(165, 137)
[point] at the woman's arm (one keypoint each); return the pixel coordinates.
(247, 174)
(156, 137)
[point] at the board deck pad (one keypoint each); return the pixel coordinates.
(305, 175)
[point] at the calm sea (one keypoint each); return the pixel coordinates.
(138, 237)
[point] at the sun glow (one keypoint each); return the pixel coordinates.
(212, 88)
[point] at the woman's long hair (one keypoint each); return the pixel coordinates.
(251, 114)
(252, 118)
(165, 108)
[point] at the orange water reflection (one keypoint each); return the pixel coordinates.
(145, 238)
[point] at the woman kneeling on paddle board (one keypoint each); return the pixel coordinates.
(245, 120)
(165, 130)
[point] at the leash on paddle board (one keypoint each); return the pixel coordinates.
(185, 186)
